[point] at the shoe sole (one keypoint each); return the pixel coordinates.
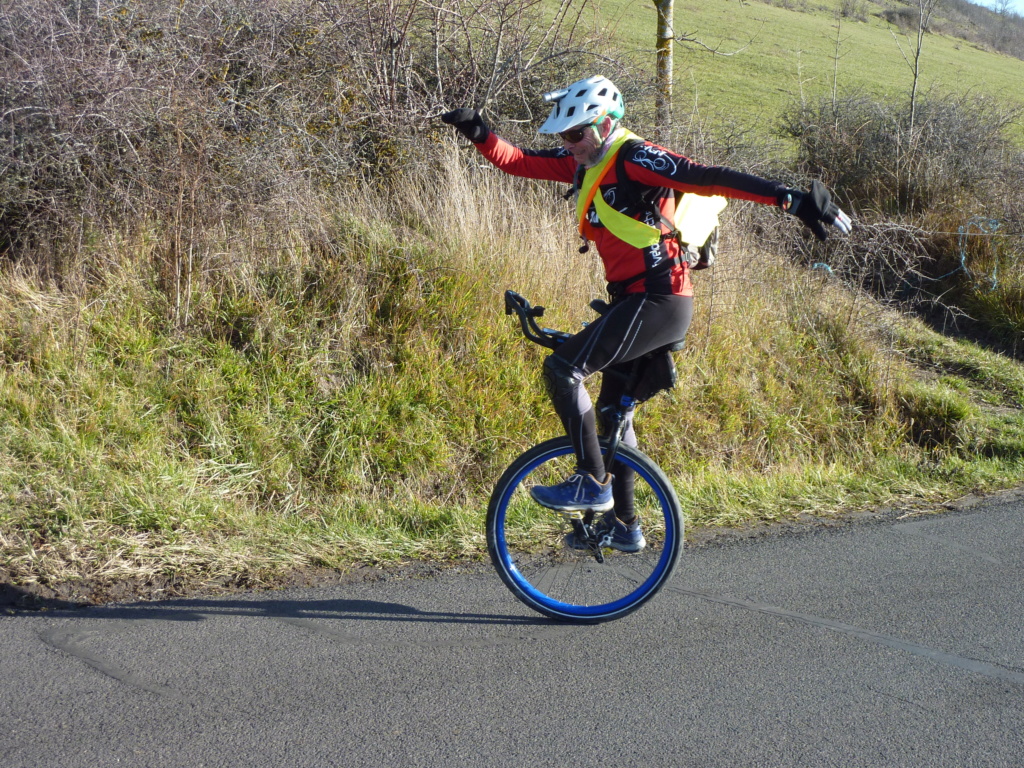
(632, 550)
(605, 507)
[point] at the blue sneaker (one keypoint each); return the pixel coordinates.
(625, 538)
(579, 492)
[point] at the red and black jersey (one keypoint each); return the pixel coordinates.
(650, 166)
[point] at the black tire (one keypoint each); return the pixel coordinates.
(525, 540)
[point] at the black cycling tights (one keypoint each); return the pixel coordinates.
(632, 327)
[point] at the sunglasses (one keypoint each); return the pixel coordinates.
(574, 135)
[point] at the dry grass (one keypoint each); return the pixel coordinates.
(339, 387)
(314, 371)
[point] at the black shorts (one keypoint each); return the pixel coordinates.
(633, 326)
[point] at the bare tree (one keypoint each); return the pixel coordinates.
(664, 43)
(665, 39)
(925, 10)
(1005, 29)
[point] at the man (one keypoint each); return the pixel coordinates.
(630, 221)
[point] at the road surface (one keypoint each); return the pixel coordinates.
(893, 643)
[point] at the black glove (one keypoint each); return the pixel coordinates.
(815, 207)
(469, 123)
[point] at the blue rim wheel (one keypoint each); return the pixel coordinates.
(526, 541)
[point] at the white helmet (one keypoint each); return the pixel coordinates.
(582, 103)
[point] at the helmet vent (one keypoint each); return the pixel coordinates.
(583, 102)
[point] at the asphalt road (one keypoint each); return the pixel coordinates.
(894, 643)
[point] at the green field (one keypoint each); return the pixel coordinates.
(770, 57)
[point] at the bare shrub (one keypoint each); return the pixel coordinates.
(904, 17)
(202, 111)
(913, 192)
(854, 9)
(956, 150)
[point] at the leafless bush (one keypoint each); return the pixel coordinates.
(912, 191)
(904, 18)
(854, 9)
(203, 110)
(956, 150)
(889, 259)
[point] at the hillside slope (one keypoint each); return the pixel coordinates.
(765, 57)
(250, 305)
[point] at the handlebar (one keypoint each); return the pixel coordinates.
(546, 337)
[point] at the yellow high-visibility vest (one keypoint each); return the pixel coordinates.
(697, 215)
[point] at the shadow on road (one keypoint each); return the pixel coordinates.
(341, 609)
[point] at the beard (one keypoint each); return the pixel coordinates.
(597, 154)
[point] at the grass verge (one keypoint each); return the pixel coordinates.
(341, 389)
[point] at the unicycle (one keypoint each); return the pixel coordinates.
(525, 541)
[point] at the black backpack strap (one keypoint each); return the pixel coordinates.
(577, 182)
(634, 197)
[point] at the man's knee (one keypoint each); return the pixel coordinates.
(562, 380)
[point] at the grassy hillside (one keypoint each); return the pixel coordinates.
(770, 56)
(250, 304)
(346, 395)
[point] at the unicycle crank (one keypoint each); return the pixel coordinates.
(587, 541)
(591, 537)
